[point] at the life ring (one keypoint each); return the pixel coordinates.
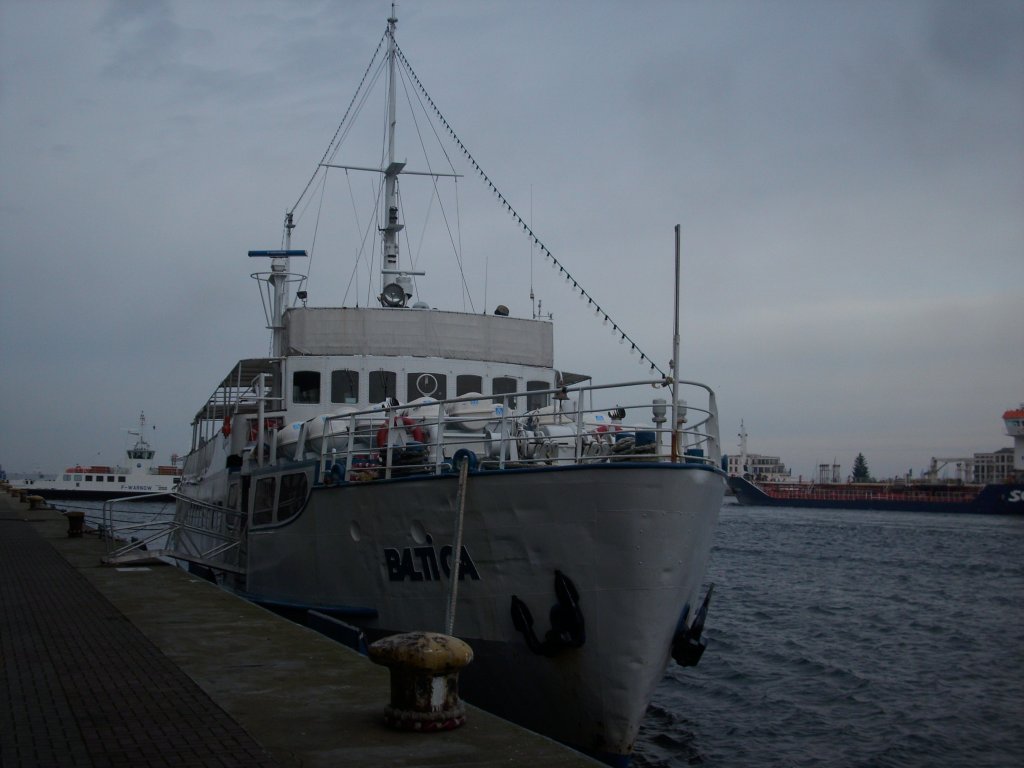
(254, 428)
(464, 455)
(336, 474)
(409, 425)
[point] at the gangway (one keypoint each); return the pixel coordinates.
(220, 529)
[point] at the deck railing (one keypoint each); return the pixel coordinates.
(431, 436)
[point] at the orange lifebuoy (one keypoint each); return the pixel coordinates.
(254, 428)
(409, 425)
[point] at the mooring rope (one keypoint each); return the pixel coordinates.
(453, 592)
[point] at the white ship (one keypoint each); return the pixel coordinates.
(342, 473)
(139, 476)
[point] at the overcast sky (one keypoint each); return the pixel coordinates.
(848, 176)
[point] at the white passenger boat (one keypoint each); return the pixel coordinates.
(342, 473)
(139, 476)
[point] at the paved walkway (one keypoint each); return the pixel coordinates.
(149, 666)
(83, 686)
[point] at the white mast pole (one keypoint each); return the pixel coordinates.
(391, 175)
(675, 361)
(279, 281)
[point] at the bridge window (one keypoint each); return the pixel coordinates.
(382, 384)
(293, 495)
(433, 385)
(344, 386)
(533, 402)
(504, 385)
(467, 383)
(263, 501)
(306, 387)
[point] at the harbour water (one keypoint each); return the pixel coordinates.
(842, 638)
(129, 520)
(837, 638)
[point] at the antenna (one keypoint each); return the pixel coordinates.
(533, 305)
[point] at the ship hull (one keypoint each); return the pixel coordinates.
(991, 499)
(633, 539)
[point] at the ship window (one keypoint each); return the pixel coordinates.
(67, 477)
(263, 502)
(110, 478)
(78, 478)
(120, 478)
(306, 387)
(433, 385)
(344, 386)
(293, 495)
(88, 478)
(382, 384)
(503, 385)
(468, 383)
(533, 402)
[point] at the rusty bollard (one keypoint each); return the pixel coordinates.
(36, 502)
(424, 680)
(75, 521)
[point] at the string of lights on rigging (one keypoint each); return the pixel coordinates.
(555, 263)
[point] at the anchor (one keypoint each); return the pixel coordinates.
(688, 645)
(567, 625)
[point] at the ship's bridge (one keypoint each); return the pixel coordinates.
(1014, 421)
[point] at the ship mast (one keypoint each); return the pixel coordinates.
(392, 227)
(395, 284)
(743, 450)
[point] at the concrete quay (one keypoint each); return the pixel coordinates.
(149, 666)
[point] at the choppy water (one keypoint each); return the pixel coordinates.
(852, 639)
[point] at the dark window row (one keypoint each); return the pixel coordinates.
(96, 478)
(382, 385)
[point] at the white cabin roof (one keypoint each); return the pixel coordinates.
(418, 333)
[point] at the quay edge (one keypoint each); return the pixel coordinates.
(306, 699)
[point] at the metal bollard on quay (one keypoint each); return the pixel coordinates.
(424, 680)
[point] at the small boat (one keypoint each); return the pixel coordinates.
(1005, 497)
(140, 476)
(400, 467)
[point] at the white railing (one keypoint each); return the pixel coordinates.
(201, 533)
(126, 529)
(430, 436)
